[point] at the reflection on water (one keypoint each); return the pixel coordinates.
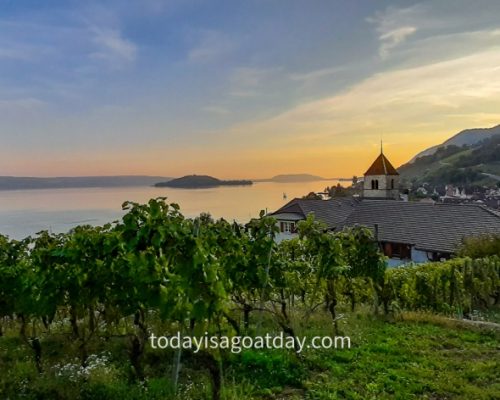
(25, 212)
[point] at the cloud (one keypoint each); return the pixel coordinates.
(249, 81)
(395, 25)
(155, 6)
(400, 103)
(393, 38)
(113, 47)
(431, 21)
(22, 104)
(447, 46)
(14, 53)
(210, 46)
(316, 74)
(218, 110)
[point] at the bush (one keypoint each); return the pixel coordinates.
(448, 287)
(480, 246)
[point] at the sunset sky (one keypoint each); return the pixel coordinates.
(239, 89)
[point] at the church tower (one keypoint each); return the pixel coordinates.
(381, 179)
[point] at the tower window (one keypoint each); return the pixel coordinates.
(374, 184)
(392, 183)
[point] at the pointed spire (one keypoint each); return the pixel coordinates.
(381, 166)
(381, 147)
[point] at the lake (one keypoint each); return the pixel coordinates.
(25, 212)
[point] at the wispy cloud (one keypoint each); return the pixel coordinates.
(393, 38)
(249, 81)
(217, 110)
(393, 102)
(113, 47)
(210, 46)
(395, 25)
(424, 27)
(24, 104)
(27, 41)
(8, 52)
(316, 74)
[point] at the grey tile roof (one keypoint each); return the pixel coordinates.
(431, 227)
(332, 212)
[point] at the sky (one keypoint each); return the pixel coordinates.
(239, 89)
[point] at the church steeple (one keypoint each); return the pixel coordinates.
(381, 179)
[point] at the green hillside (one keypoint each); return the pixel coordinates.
(458, 165)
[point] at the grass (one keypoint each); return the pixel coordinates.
(415, 358)
(419, 356)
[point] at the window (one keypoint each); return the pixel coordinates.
(287, 227)
(374, 184)
(398, 250)
(392, 183)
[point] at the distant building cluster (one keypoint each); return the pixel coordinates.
(450, 194)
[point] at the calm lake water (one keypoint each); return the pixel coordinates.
(25, 212)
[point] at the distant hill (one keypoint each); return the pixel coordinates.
(19, 183)
(200, 181)
(290, 178)
(467, 137)
(474, 160)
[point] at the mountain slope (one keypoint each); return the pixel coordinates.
(467, 137)
(469, 164)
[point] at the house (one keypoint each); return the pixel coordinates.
(405, 231)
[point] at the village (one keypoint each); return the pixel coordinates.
(418, 229)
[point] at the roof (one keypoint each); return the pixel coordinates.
(432, 227)
(429, 227)
(332, 212)
(381, 166)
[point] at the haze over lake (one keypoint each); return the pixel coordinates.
(26, 212)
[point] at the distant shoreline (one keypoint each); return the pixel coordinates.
(34, 183)
(81, 182)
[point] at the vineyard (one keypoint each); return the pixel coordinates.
(76, 309)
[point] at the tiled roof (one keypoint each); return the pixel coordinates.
(381, 166)
(332, 212)
(431, 227)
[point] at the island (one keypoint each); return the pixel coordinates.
(201, 181)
